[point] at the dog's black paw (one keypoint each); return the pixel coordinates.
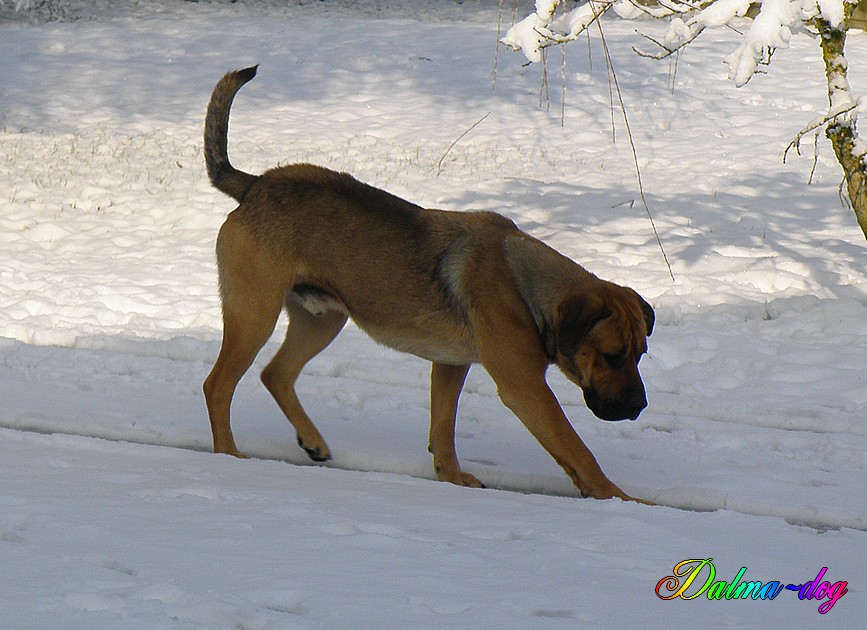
(314, 453)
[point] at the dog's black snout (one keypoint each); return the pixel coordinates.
(616, 409)
(636, 411)
(636, 405)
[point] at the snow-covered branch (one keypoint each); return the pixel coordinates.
(770, 29)
(833, 117)
(764, 27)
(540, 29)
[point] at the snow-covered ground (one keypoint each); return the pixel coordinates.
(112, 516)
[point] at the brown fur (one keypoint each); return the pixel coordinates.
(455, 288)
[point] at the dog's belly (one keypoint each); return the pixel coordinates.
(440, 351)
(456, 350)
(432, 338)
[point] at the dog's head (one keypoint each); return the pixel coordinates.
(601, 334)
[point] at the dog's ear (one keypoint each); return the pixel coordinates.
(577, 315)
(647, 310)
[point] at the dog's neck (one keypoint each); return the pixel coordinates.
(543, 277)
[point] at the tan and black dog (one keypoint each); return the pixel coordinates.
(454, 288)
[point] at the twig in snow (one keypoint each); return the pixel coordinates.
(815, 156)
(497, 47)
(672, 71)
(616, 86)
(458, 139)
(563, 88)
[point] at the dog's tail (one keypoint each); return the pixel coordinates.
(225, 177)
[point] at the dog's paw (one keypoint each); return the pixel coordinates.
(317, 454)
(641, 501)
(614, 492)
(471, 481)
(234, 452)
(458, 477)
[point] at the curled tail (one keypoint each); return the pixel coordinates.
(225, 177)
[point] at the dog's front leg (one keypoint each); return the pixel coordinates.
(446, 382)
(537, 407)
(519, 373)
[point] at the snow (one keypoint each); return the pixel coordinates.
(528, 36)
(769, 31)
(546, 8)
(573, 23)
(832, 11)
(540, 28)
(721, 12)
(112, 513)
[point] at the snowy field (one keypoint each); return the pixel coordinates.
(114, 515)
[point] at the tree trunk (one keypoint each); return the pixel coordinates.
(841, 131)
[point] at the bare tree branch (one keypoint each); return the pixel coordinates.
(817, 123)
(666, 51)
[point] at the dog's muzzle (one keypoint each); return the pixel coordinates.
(611, 409)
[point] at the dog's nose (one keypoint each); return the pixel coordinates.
(637, 405)
(627, 408)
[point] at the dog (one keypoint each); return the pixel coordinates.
(454, 288)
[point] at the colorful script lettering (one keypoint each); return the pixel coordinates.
(695, 577)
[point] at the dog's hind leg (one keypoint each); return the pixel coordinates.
(307, 336)
(446, 382)
(243, 337)
(252, 301)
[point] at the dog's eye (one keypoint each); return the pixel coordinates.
(616, 359)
